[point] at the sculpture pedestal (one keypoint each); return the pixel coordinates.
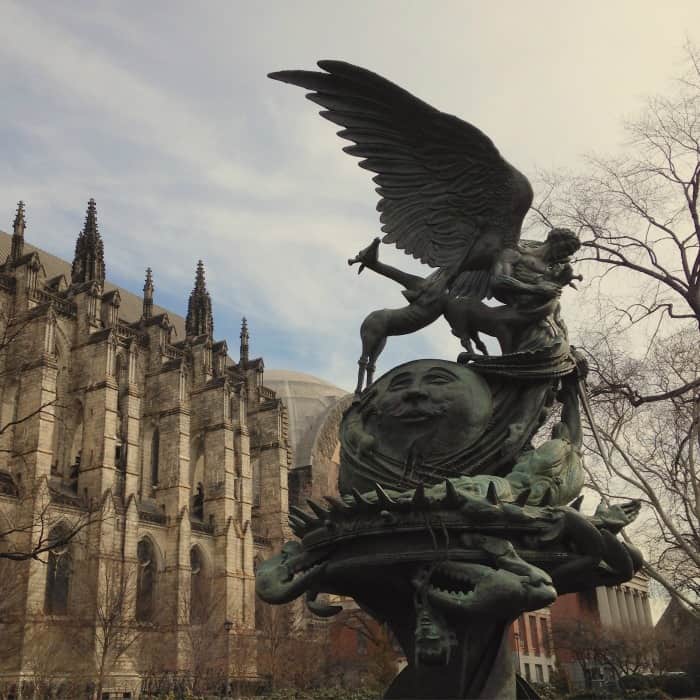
(481, 666)
(447, 569)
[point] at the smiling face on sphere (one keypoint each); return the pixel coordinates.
(419, 395)
(443, 402)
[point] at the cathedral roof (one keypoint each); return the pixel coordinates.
(308, 401)
(131, 304)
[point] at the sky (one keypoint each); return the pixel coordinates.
(163, 113)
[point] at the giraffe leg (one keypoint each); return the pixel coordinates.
(362, 362)
(372, 359)
(479, 344)
(370, 373)
(466, 341)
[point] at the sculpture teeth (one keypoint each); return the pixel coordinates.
(576, 503)
(321, 512)
(452, 498)
(522, 498)
(491, 495)
(383, 497)
(302, 515)
(336, 504)
(360, 499)
(297, 524)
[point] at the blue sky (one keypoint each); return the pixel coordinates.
(161, 111)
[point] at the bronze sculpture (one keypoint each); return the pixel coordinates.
(451, 520)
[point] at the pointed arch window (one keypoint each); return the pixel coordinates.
(200, 587)
(145, 581)
(74, 443)
(155, 456)
(198, 503)
(58, 572)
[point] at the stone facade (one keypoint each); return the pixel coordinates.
(179, 453)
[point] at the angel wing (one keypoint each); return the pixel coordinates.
(447, 196)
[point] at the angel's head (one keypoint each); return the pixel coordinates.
(561, 244)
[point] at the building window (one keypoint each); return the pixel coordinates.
(539, 673)
(546, 641)
(533, 634)
(58, 573)
(528, 676)
(145, 581)
(155, 449)
(198, 503)
(256, 484)
(522, 631)
(74, 440)
(199, 590)
(120, 456)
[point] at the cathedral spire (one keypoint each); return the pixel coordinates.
(244, 342)
(18, 233)
(89, 260)
(148, 295)
(199, 319)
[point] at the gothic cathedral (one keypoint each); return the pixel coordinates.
(158, 463)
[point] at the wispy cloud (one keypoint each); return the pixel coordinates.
(162, 112)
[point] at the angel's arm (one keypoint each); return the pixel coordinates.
(505, 281)
(368, 257)
(413, 282)
(503, 267)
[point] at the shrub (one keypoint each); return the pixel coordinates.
(647, 694)
(678, 685)
(636, 681)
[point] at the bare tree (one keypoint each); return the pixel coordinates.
(291, 654)
(379, 663)
(638, 212)
(11, 612)
(115, 628)
(28, 524)
(614, 651)
(242, 657)
(202, 622)
(56, 659)
(27, 514)
(274, 628)
(638, 219)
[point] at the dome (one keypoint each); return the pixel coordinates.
(309, 401)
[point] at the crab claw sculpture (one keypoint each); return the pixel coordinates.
(448, 568)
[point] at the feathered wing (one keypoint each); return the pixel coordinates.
(447, 196)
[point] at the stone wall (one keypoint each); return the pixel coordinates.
(88, 391)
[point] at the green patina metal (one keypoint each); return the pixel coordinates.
(454, 515)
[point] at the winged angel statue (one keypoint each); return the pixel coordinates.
(449, 199)
(450, 520)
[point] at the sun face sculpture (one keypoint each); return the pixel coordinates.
(422, 408)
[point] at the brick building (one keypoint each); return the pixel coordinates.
(533, 647)
(620, 608)
(113, 406)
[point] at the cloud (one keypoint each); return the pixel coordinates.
(162, 112)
